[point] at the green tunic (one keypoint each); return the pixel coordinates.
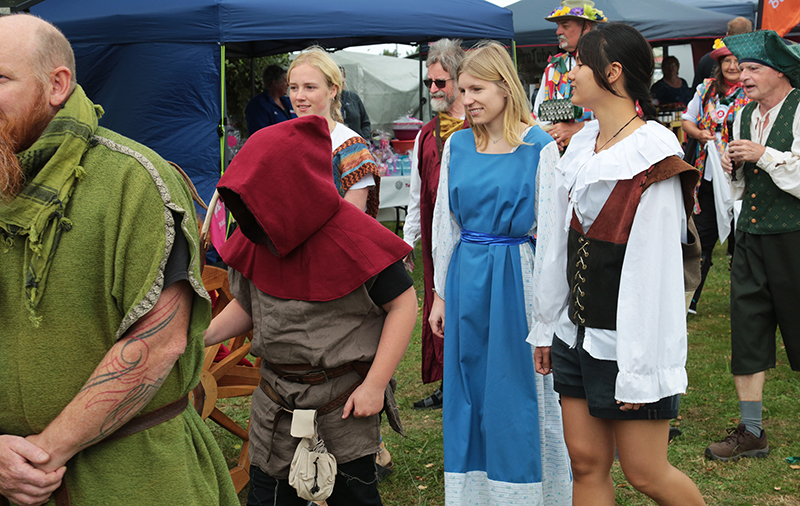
(105, 272)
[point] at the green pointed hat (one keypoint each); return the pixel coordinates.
(767, 48)
(577, 9)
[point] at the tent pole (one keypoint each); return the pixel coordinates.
(252, 77)
(514, 52)
(222, 111)
(759, 12)
(421, 98)
(222, 137)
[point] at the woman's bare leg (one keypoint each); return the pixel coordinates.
(642, 448)
(590, 442)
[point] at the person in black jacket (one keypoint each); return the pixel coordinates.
(353, 111)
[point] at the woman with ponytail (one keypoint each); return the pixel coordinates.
(611, 286)
(315, 88)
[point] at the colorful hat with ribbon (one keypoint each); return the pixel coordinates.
(767, 48)
(577, 9)
(720, 50)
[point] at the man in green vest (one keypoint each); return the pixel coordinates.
(764, 163)
(102, 307)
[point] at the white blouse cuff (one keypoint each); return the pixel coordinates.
(541, 334)
(646, 388)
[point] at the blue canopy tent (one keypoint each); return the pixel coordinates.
(745, 8)
(156, 66)
(658, 20)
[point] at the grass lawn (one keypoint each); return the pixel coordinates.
(707, 409)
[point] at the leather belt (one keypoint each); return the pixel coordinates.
(316, 376)
(150, 420)
(362, 368)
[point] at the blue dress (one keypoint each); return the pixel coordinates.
(503, 440)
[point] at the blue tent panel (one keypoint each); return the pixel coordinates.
(165, 96)
(656, 19)
(260, 27)
(744, 8)
(154, 64)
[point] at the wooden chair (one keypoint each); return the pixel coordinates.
(226, 378)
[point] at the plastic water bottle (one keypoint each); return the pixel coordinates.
(404, 165)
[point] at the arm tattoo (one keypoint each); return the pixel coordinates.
(134, 386)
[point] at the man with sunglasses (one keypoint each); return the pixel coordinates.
(574, 18)
(444, 57)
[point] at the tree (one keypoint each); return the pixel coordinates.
(243, 81)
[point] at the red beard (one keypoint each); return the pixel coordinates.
(17, 135)
(11, 175)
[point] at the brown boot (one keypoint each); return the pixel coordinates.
(383, 462)
(739, 443)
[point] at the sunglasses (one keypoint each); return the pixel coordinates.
(440, 83)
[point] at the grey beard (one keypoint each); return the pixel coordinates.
(442, 105)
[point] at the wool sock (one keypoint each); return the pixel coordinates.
(751, 416)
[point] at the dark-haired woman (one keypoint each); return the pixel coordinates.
(671, 89)
(611, 286)
(709, 117)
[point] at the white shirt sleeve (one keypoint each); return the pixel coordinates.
(651, 312)
(365, 182)
(445, 230)
(737, 186)
(412, 227)
(550, 287)
(784, 166)
(693, 107)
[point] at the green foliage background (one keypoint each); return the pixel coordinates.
(240, 75)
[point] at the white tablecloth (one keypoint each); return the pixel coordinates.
(394, 193)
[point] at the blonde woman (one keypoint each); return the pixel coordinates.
(315, 86)
(503, 442)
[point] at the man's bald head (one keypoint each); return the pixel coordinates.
(37, 73)
(40, 44)
(739, 25)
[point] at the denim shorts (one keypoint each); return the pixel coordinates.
(577, 374)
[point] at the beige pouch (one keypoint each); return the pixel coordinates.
(313, 470)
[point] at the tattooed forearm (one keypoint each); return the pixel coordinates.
(134, 400)
(125, 382)
(133, 356)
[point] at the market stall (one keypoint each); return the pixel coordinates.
(157, 67)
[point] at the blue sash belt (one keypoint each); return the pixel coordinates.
(474, 237)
